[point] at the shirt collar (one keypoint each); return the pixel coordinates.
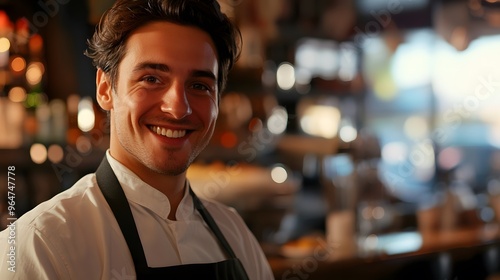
(147, 196)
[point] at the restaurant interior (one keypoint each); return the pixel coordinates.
(358, 139)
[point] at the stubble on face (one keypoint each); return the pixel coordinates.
(137, 102)
(173, 166)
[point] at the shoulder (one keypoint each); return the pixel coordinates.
(66, 215)
(78, 213)
(57, 210)
(44, 235)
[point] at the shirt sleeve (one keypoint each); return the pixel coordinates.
(26, 254)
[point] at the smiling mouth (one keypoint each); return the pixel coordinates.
(167, 132)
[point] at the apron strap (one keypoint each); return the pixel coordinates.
(117, 201)
(212, 224)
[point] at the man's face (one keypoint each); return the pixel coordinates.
(164, 104)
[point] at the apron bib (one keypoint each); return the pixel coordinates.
(230, 269)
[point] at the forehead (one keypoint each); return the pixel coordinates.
(172, 44)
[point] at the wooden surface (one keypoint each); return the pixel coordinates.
(468, 253)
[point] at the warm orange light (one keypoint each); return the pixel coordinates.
(36, 44)
(18, 64)
(228, 139)
(4, 20)
(34, 73)
(38, 153)
(255, 125)
(55, 153)
(17, 94)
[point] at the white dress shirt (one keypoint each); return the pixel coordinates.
(74, 235)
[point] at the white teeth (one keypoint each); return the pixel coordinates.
(168, 132)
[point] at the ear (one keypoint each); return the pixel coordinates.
(104, 90)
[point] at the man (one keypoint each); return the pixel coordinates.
(161, 65)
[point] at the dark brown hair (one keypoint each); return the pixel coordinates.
(107, 46)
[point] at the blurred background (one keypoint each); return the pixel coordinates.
(368, 127)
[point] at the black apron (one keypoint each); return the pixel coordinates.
(230, 269)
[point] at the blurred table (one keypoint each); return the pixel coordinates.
(250, 189)
(468, 253)
(241, 184)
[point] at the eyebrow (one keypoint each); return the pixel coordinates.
(152, 66)
(164, 68)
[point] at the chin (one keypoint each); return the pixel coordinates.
(169, 169)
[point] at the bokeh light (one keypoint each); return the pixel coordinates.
(55, 153)
(285, 76)
(18, 64)
(86, 116)
(320, 120)
(279, 174)
(228, 139)
(277, 122)
(38, 153)
(4, 44)
(34, 73)
(17, 94)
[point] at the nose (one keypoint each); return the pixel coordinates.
(175, 101)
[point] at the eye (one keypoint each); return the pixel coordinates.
(199, 86)
(150, 79)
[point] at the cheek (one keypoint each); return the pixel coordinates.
(205, 108)
(214, 105)
(139, 97)
(131, 104)
(214, 111)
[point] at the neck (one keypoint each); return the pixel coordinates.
(172, 186)
(174, 192)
